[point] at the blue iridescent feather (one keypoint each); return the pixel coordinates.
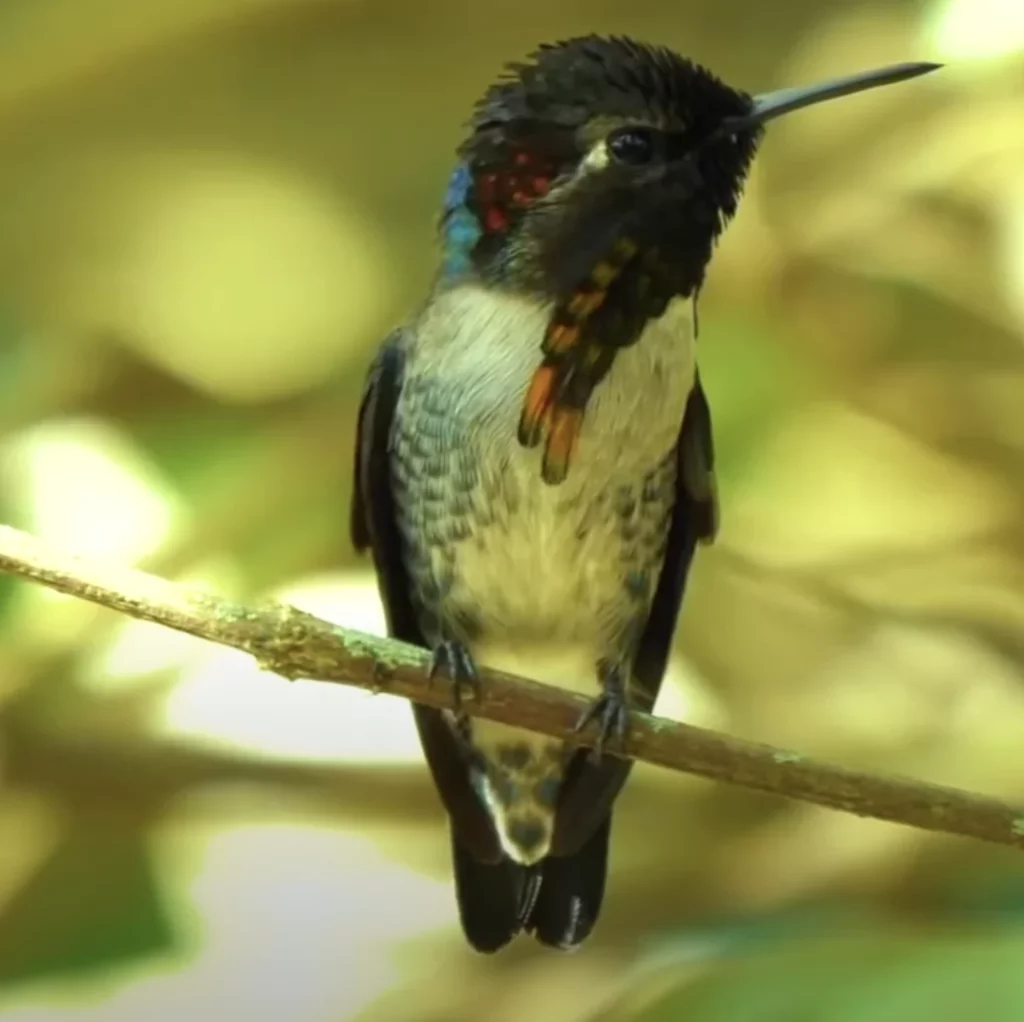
(460, 229)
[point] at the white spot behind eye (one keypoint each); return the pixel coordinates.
(596, 159)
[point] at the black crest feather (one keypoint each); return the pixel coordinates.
(567, 82)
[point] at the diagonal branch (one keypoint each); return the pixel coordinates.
(294, 644)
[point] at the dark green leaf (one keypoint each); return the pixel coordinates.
(94, 903)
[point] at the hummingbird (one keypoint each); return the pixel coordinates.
(534, 465)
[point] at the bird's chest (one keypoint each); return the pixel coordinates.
(544, 563)
(492, 543)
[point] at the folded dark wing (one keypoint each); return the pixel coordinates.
(374, 525)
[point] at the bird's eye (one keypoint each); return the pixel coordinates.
(634, 146)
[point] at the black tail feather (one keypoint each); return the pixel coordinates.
(558, 900)
(492, 897)
(571, 891)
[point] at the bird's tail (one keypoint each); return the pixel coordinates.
(558, 900)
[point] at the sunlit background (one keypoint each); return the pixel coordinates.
(212, 210)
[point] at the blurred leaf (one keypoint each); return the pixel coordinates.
(731, 935)
(876, 978)
(975, 29)
(210, 438)
(751, 379)
(248, 282)
(83, 484)
(14, 356)
(93, 904)
(8, 584)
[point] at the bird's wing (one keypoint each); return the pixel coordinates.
(374, 525)
(590, 789)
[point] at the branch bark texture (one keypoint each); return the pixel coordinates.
(294, 644)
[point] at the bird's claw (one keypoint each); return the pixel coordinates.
(453, 661)
(610, 710)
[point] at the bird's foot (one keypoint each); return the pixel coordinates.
(610, 709)
(453, 661)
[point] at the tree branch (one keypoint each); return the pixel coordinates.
(294, 644)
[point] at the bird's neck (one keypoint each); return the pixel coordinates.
(485, 344)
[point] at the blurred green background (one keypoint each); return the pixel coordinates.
(211, 212)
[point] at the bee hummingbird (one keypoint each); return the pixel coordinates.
(534, 463)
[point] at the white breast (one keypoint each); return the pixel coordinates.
(541, 566)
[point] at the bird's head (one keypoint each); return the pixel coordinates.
(597, 176)
(591, 149)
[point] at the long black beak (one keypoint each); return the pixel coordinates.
(775, 104)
